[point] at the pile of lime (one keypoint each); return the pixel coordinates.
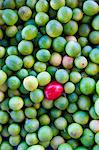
(49, 74)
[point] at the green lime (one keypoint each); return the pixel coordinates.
(73, 49)
(65, 146)
(44, 119)
(61, 103)
(75, 130)
(56, 4)
(45, 42)
(56, 141)
(69, 87)
(84, 30)
(87, 138)
(28, 61)
(75, 76)
(83, 41)
(54, 28)
(22, 146)
(64, 14)
(72, 108)
(14, 140)
(80, 62)
(31, 125)
(24, 45)
(16, 103)
(72, 3)
(4, 117)
(77, 14)
(14, 63)
(93, 113)
(97, 87)
(13, 82)
(97, 138)
(30, 112)
(70, 28)
(92, 69)
(81, 117)
(9, 4)
(94, 37)
(59, 44)
(36, 147)
(24, 13)
(95, 23)
(47, 104)
(9, 16)
(17, 116)
(84, 102)
(31, 139)
(62, 76)
(87, 85)
(55, 113)
(3, 77)
(14, 129)
(86, 50)
(42, 6)
(60, 123)
(90, 8)
(97, 107)
(41, 19)
(31, 3)
(40, 66)
(43, 55)
(1, 34)
(94, 55)
(29, 32)
(73, 142)
(73, 97)
(12, 50)
(6, 145)
(2, 52)
(36, 96)
(43, 78)
(11, 31)
(51, 70)
(42, 133)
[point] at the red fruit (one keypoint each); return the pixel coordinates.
(53, 90)
(67, 62)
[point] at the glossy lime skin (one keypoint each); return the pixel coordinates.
(93, 113)
(30, 83)
(36, 147)
(72, 3)
(45, 42)
(62, 76)
(56, 4)
(81, 117)
(81, 62)
(55, 113)
(64, 14)
(75, 76)
(42, 6)
(45, 137)
(94, 37)
(16, 103)
(92, 69)
(70, 28)
(72, 108)
(84, 102)
(40, 66)
(87, 138)
(29, 32)
(75, 130)
(60, 123)
(56, 141)
(83, 41)
(90, 8)
(44, 78)
(2, 52)
(43, 55)
(31, 125)
(54, 28)
(87, 85)
(44, 119)
(41, 19)
(61, 103)
(95, 24)
(12, 50)
(84, 30)
(14, 140)
(97, 138)
(3, 77)
(17, 116)
(14, 63)
(9, 16)
(96, 147)
(13, 83)
(6, 145)
(24, 13)
(14, 129)
(11, 31)
(65, 146)
(69, 87)
(28, 61)
(80, 148)
(73, 49)
(73, 97)
(94, 55)
(22, 146)
(59, 44)
(31, 3)
(36, 96)
(23, 46)
(47, 104)
(97, 106)
(51, 70)
(86, 50)
(77, 14)
(94, 125)
(4, 117)
(97, 87)
(31, 139)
